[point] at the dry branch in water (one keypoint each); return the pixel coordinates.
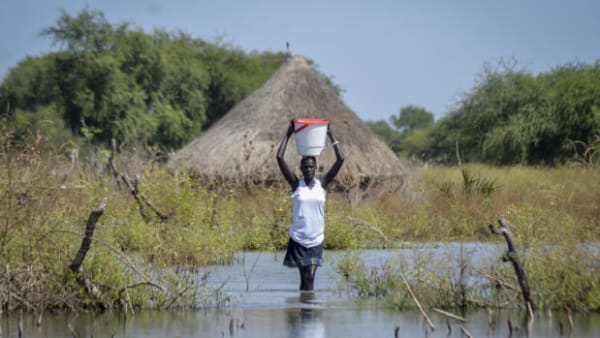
(451, 315)
(89, 234)
(417, 302)
(466, 332)
(141, 200)
(511, 255)
(75, 265)
(497, 280)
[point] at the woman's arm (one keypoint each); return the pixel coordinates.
(290, 177)
(339, 160)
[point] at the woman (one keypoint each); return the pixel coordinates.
(305, 247)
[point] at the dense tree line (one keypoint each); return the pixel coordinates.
(509, 117)
(117, 81)
(162, 89)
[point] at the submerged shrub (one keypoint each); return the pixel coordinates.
(565, 276)
(559, 278)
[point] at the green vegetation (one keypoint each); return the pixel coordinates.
(155, 92)
(412, 127)
(561, 276)
(554, 216)
(48, 200)
(162, 89)
(110, 81)
(509, 117)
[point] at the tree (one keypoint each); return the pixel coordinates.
(88, 31)
(115, 81)
(386, 133)
(29, 85)
(234, 74)
(417, 144)
(412, 117)
(512, 116)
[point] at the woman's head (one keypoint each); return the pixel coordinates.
(308, 166)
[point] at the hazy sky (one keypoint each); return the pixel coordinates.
(384, 54)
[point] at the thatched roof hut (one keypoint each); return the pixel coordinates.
(242, 145)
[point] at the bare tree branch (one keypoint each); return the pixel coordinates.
(417, 302)
(89, 234)
(451, 315)
(511, 255)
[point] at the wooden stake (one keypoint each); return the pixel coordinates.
(466, 332)
(570, 318)
(417, 302)
(491, 323)
(451, 315)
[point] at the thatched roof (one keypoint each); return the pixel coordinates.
(243, 143)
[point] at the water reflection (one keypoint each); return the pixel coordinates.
(266, 303)
(307, 319)
(298, 319)
(305, 322)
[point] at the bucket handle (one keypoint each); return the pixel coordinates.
(301, 128)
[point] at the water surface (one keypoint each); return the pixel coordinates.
(264, 301)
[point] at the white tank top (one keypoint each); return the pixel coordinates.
(308, 216)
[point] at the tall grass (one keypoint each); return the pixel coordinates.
(43, 216)
(554, 214)
(560, 277)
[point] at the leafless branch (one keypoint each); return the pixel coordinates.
(450, 315)
(417, 302)
(89, 234)
(511, 255)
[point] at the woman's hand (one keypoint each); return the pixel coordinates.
(291, 129)
(329, 132)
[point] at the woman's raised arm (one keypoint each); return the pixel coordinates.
(339, 159)
(290, 177)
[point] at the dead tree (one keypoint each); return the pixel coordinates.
(141, 200)
(89, 234)
(511, 255)
(111, 163)
(75, 265)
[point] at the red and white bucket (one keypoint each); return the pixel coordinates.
(311, 135)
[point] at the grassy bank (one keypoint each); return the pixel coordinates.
(47, 200)
(554, 214)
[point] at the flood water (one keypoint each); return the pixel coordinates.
(263, 301)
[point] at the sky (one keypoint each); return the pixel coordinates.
(384, 54)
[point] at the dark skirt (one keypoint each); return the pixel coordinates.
(299, 256)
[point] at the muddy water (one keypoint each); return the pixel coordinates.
(263, 301)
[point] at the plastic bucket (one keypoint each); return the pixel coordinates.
(311, 135)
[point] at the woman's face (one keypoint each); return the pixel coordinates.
(308, 167)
